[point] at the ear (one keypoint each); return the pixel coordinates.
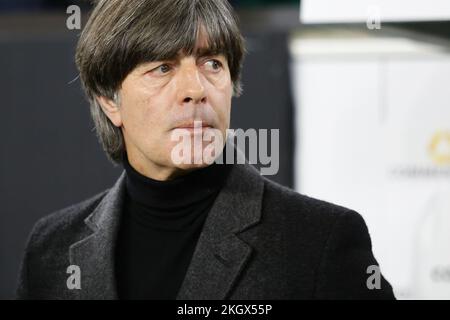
(111, 109)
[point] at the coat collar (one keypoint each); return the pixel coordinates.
(218, 259)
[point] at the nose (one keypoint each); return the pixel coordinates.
(191, 89)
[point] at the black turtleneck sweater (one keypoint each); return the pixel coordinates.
(161, 223)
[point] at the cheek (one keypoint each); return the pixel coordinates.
(221, 103)
(141, 115)
(222, 82)
(133, 112)
(221, 96)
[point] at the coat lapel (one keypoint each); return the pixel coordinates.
(95, 253)
(220, 255)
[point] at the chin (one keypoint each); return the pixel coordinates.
(186, 157)
(193, 165)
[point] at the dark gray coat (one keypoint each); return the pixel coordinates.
(260, 241)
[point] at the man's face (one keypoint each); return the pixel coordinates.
(157, 99)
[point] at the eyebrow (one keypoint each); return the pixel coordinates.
(198, 53)
(203, 52)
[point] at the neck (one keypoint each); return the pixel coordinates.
(159, 172)
(178, 192)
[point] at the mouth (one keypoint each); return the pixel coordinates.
(192, 125)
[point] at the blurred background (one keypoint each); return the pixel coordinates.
(359, 89)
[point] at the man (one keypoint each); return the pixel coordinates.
(169, 229)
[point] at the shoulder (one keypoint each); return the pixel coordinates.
(295, 206)
(332, 240)
(46, 252)
(307, 220)
(63, 225)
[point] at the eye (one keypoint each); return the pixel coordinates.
(162, 69)
(214, 65)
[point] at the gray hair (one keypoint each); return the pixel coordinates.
(120, 35)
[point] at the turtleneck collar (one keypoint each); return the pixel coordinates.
(179, 193)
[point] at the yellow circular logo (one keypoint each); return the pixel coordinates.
(439, 148)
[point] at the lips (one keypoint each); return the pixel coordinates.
(193, 124)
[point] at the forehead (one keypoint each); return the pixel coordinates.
(202, 40)
(202, 46)
(174, 40)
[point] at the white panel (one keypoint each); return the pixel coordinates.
(418, 109)
(364, 130)
(336, 11)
